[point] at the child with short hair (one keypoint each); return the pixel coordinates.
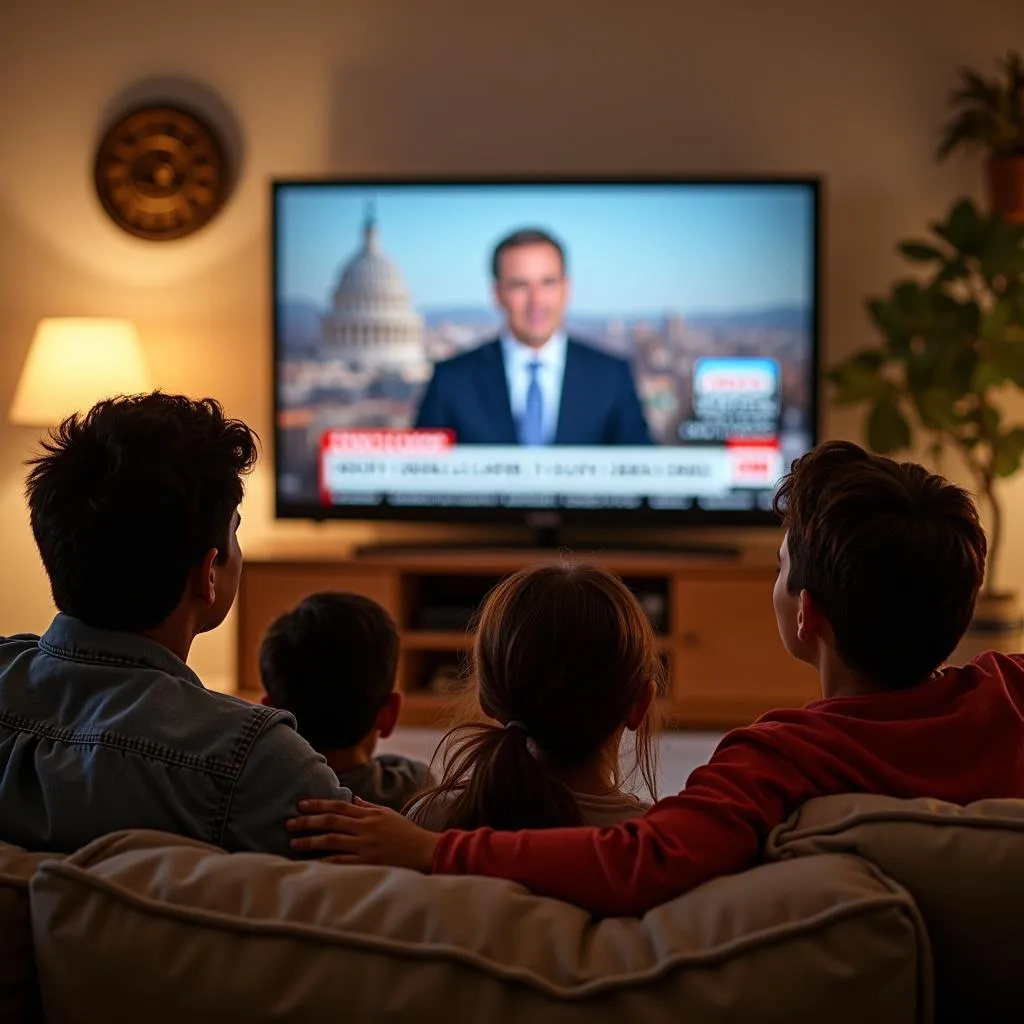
(879, 571)
(564, 664)
(332, 662)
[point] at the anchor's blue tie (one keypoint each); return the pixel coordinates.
(532, 426)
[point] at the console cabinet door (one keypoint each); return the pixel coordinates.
(729, 665)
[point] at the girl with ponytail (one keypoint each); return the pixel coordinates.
(563, 665)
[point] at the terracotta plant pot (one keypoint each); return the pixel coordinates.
(1006, 186)
(998, 626)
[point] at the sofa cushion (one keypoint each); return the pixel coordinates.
(144, 926)
(964, 867)
(19, 990)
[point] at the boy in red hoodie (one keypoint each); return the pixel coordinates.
(878, 575)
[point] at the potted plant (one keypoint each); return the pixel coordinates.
(988, 114)
(951, 352)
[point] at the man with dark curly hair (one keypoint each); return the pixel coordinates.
(134, 508)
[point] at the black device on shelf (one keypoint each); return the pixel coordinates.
(449, 603)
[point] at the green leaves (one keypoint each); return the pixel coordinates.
(1007, 361)
(949, 336)
(994, 323)
(987, 374)
(911, 303)
(892, 325)
(1007, 450)
(964, 228)
(920, 252)
(953, 270)
(925, 311)
(968, 130)
(858, 379)
(935, 407)
(983, 241)
(987, 111)
(988, 418)
(888, 430)
(1001, 256)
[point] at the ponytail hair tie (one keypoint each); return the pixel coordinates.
(517, 725)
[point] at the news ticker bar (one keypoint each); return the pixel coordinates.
(512, 470)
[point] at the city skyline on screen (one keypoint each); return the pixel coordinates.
(633, 250)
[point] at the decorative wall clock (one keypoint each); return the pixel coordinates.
(161, 173)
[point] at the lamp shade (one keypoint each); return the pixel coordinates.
(74, 363)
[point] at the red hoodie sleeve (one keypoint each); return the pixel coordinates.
(716, 826)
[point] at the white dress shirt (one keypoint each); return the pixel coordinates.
(551, 356)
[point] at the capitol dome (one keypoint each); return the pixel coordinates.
(372, 322)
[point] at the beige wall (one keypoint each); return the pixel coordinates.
(852, 89)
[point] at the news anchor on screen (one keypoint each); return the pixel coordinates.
(533, 385)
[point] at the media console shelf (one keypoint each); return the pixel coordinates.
(716, 629)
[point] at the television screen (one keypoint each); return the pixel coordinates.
(474, 349)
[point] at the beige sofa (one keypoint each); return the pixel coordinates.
(868, 910)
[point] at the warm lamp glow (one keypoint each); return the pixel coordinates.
(73, 364)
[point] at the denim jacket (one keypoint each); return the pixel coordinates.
(101, 731)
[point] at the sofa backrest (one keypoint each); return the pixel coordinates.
(19, 991)
(964, 867)
(145, 926)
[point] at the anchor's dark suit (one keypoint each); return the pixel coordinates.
(469, 395)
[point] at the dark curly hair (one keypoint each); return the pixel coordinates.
(126, 498)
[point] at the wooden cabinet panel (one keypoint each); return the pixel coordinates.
(728, 654)
(726, 662)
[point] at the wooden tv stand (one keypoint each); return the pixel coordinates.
(726, 664)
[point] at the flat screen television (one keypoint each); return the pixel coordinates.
(555, 352)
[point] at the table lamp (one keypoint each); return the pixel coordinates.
(73, 363)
